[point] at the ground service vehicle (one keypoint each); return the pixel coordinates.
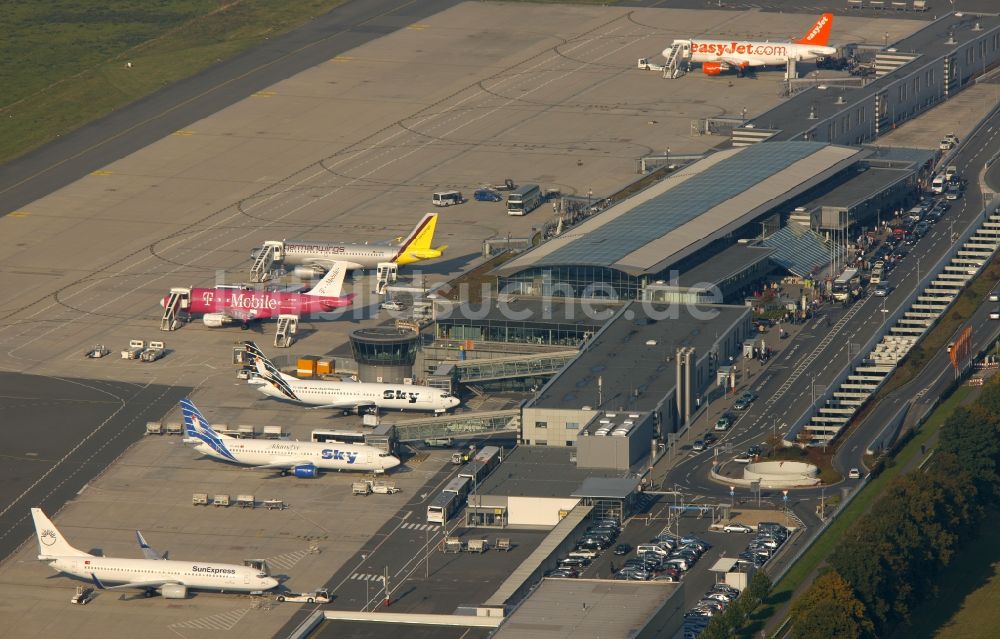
(320, 596)
(524, 199)
(447, 198)
(449, 500)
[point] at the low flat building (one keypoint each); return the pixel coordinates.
(597, 609)
(633, 365)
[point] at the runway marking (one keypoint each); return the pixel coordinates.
(417, 27)
(221, 621)
(19, 214)
(413, 526)
(361, 576)
(342, 58)
(287, 560)
(265, 94)
(101, 172)
(184, 133)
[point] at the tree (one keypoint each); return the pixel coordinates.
(971, 435)
(830, 610)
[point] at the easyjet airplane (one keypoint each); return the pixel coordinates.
(717, 56)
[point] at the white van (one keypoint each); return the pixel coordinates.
(447, 198)
(937, 184)
(651, 548)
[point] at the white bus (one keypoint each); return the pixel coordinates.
(847, 282)
(524, 199)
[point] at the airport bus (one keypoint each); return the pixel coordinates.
(341, 436)
(449, 501)
(524, 199)
(845, 284)
(481, 465)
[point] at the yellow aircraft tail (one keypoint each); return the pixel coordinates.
(417, 245)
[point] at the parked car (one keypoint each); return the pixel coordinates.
(487, 195)
(743, 458)
(622, 549)
(738, 528)
(995, 314)
(744, 400)
(854, 473)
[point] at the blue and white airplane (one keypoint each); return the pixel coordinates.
(302, 459)
(171, 578)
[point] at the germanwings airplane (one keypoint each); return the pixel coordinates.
(302, 459)
(172, 578)
(345, 395)
(312, 259)
(717, 56)
(223, 305)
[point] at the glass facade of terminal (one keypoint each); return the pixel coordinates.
(385, 353)
(556, 333)
(592, 282)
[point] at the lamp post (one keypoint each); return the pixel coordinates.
(590, 196)
(785, 498)
(732, 497)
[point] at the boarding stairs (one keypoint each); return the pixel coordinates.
(675, 65)
(178, 301)
(386, 274)
(285, 335)
(268, 254)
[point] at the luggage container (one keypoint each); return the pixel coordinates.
(199, 499)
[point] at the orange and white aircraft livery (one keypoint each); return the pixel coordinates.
(717, 56)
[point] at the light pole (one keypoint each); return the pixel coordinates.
(732, 498)
(785, 498)
(590, 196)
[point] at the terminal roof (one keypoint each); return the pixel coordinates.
(691, 208)
(536, 471)
(606, 488)
(633, 355)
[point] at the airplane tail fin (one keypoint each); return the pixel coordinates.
(819, 33)
(269, 372)
(196, 427)
(51, 543)
(421, 236)
(332, 283)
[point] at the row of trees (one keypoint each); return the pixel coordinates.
(738, 613)
(889, 560)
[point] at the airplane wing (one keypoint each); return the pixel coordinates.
(284, 463)
(354, 405)
(135, 584)
(739, 62)
(148, 552)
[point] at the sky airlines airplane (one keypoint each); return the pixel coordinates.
(345, 395)
(302, 459)
(717, 56)
(172, 578)
(224, 305)
(311, 259)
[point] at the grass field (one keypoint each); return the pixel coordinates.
(63, 63)
(817, 554)
(968, 594)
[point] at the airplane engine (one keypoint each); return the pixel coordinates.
(305, 471)
(174, 591)
(309, 272)
(216, 320)
(714, 68)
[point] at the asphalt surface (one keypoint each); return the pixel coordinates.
(61, 433)
(175, 107)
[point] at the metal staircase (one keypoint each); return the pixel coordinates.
(386, 272)
(178, 301)
(285, 335)
(268, 254)
(674, 67)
